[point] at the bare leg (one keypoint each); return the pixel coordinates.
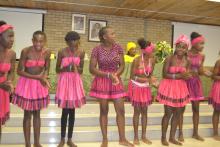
(174, 122)
(165, 121)
(37, 125)
(195, 108)
(103, 119)
(215, 121)
(27, 127)
(181, 138)
(135, 124)
(144, 125)
(120, 118)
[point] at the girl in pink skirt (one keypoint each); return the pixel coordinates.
(7, 67)
(31, 93)
(214, 99)
(139, 90)
(194, 84)
(70, 93)
(107, 84)
(173, 91)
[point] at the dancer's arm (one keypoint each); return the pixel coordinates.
(216, 75)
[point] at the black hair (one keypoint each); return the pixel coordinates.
(40, 33)
(194, 35)
(2, 22)
(143, 43)
(102, 32)
(72, 36)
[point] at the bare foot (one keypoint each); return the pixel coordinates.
(38, 145)
(136, 141)
(174, 141)
(70, 143)
(62, 142)
(104, 143)
(181, 138)
(164, 142)
(28, 145)
(126, 143)
(216, 137)
(145, 140)
(197, 137)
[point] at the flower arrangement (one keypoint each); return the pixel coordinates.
(162, 50)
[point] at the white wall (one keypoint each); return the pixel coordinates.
(25, 22)
(212, 38)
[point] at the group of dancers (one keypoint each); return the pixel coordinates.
(180, 84)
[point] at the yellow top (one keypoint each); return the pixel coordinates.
(52, 56)
(129, 59)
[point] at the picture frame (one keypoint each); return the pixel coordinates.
(79, 23)
(93, 30)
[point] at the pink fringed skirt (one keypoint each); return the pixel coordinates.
(70, 92)
(173, 93)
(4, 104)
(30, 94)
(139, 96)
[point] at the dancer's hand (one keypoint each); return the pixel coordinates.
(2, 74)
(114, 78)
(10, 84)
(7, 86)
(45, 83)
(186, 75)
(41, 76)
(75, 69)
(154, 81)
(194, 73)
(116, 81)
(44, 80)
(207, 73)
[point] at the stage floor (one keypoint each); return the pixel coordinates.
(209, 142)
(87, 130)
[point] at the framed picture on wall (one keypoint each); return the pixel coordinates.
(79, 23)
(94, 27)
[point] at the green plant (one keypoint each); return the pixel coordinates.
(162, 50)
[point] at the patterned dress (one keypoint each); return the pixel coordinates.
(108, 61)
